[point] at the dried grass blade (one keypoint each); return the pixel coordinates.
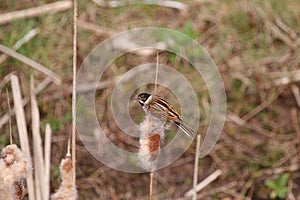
(55, 77)
(151, 185)
(37, 144)
(9, 111)
(273, 29)
(195, 180)
(296, 93)
(287, 77)
(48, 135)
(204, 183)
(75, 15)
(22, 129)
(36, 11)
(5, 80)
(4, 119)
(270, 99)
(169, 4)
(20, 42)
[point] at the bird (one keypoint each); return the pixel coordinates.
(156, 106)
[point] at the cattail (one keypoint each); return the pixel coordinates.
(152, 132)
(14, 167)
(67, 190)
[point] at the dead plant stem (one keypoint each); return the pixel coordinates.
(9, 111)
(156, 71)
(75, 5)
(195, 181)
(55, 77)
(36, 11)
(151, 185)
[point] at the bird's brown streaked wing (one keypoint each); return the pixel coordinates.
(172, 112)
(156, 110)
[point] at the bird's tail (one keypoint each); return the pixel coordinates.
(186, 129)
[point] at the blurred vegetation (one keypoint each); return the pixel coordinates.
(253, 44)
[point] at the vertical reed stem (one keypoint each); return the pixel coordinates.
(9, 120)
(156, 72)
(75, 5)
(195, 181)
(151, 185)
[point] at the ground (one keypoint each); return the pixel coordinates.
(256, 47)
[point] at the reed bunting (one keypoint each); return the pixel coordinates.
(157, 107)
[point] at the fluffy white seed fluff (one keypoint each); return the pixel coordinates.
(67, 190)
(14, 167)
(152, 131)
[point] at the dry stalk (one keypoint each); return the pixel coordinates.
(22, 130)
(204, 183)
(9, 111)
(280, 170)
(284, 78)
(47, 153)
(37, 145)
(75, 5)
(151, 185)
(240, 122)
(4, 119)
(213, 191)
(55, 77)
(67, 190)
(5, 80)
(28, 36)
(273, 29)
(296, 94)
(36, 11)
(195, 180)
(291, 33)
(169, 4)
(156, 71)
(269, 100)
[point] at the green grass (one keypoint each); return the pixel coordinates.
(278, 186)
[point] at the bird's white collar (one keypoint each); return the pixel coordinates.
(148, 100)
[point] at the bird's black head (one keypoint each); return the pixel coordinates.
(143, 98)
